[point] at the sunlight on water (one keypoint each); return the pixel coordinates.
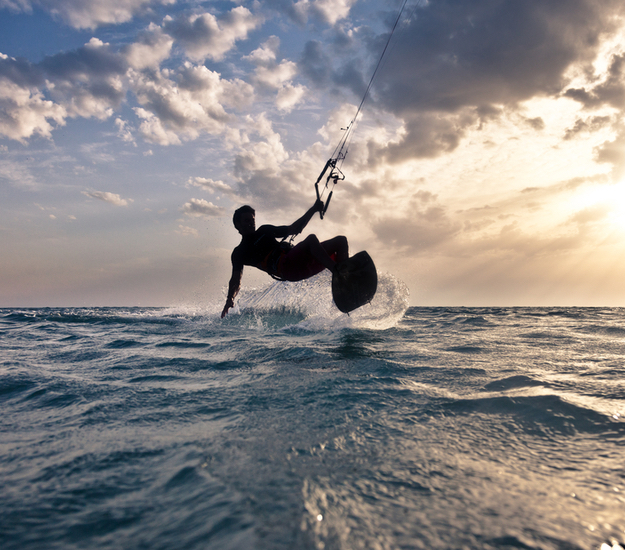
(287, 426)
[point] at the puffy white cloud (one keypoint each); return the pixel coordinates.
(208, 88)
(93, 80)
(266, 174)
(86, 14)
(153, 130)
(175, 105)
(25, 112)
(277, 78)
(173, 111)
(106, 196)
(273, 76)
(202, 208)
(300, 11)
(329, 11)
(205, 36)
(266, 54)
(289, 96)
(150, 50)
(266, 153)
(88, 81)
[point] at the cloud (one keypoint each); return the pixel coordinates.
(124, 132)
(267, 54)
(187, 231)
(491, 53)
(17, 174)
(25, 112)
(111, 198)
(94, 80)
(265, 153)
(87, 82)
(153, 130)
(205, 36)
(176, 110)
(425, 227)
(289, 96)
(150, 50)
(202, 208)
(264, 171)
(326, 11)
(426, 135)
(86, 14)
(213, 187)
(329, 11)
(316, 64)
(455, 65)
(276, 75)
(613, 152)
(609, 90)
(590, 215)
(587, 125)
(273, 76)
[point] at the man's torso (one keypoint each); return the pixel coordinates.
(255, 249)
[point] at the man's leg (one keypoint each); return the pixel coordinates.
(297, 264)
(321, 251)
(339, 246)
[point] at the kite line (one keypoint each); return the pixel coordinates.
(333, 166)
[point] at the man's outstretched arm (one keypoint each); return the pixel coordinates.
(298, 226)
(233, 289)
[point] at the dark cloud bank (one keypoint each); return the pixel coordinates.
(458, 62)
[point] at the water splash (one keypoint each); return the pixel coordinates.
(308, 305)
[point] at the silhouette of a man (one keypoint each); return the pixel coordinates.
(259, 248)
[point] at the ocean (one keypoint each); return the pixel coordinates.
(288, 425)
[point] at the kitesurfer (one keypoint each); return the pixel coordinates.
(259, 248)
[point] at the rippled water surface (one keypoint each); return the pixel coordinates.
(287, 428)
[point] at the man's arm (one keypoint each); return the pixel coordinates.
(233, 289)
(298, 226)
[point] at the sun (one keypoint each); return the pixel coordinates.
(615, 198)
(607, 200)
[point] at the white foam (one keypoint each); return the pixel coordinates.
(308, 304)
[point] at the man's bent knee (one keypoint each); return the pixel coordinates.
(311, 239)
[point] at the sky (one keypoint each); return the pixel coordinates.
(486, 167)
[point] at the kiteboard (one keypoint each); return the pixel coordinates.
(355, 282)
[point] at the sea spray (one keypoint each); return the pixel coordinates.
(308, 305)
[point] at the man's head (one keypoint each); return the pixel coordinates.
(244, 219)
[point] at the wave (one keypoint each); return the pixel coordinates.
(86, 315)
(542, 414)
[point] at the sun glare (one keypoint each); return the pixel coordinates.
(608, 196)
